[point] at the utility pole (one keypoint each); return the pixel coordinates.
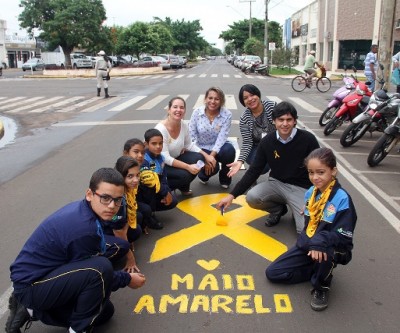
(249, 1)
(266, 33)
(386, 28)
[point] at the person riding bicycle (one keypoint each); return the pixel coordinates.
(309, 66)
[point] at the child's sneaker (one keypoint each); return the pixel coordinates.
(18, 316)
(319, 299)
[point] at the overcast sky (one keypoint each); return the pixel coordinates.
(214, 15)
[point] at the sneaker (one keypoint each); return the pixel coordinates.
(155, 224)
(273, 219)
(319, 300)
(204, 182)
(225, 185)
(187, 193)
(18, 316)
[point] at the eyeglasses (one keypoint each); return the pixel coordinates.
(106, 199)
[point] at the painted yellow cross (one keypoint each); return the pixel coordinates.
(237, 229)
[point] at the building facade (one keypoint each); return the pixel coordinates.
(340, 31)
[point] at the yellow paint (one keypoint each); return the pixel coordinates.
(240, 304)
(145, 302)
(236, 230)
(209, 265)
(188, 279)
(258, 305)
(221, 221)
(245, 282)
(227, 282)
(221, 303)
(209, 281)
(282, 303)
(202, 301)
(182, 300)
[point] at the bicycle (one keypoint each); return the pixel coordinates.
(301, 82)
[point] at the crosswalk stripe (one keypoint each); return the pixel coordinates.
(274, 99)
(230, 102)
(32, 105)
(202, 75)
(169, 76)
(226, 75)
(214, 75)
(238, 76)
(2, 97)
(127, 104)
(57, 105)
(152, 103)
(191, 75)
(11, 100)
(105, 102)
(305, 105)
(132, 77)
(144, 77)
(80, 104)
(179, 76)
(25, 101)
(199, 102)
(153, 77)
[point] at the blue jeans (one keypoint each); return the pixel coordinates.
(372, 81)
(225, 156)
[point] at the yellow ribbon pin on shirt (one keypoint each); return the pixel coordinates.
(276, 154)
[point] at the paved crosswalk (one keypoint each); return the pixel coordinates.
(84, 104)
(177, 75)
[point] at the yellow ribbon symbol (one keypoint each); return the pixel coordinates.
(276, 154)
(237, 229)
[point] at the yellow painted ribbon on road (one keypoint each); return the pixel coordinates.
(237, 229)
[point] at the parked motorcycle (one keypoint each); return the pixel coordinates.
(353, 104)
(256, 68)
(386, 142)
(381, 110)
(338, 96)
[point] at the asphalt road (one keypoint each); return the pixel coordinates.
(200, 277)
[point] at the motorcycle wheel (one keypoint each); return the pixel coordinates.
(323, 84)
(333, 124)
(298, 83)
(354, 132)
(379, 152)
(247, 71)
(327, 115)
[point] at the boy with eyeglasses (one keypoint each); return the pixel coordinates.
(62, 276)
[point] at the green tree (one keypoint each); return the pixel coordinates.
(68, 23)
(238, 34)
(254, 46)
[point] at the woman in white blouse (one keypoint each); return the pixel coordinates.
(180, 153)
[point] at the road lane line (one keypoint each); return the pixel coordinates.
(230, 102)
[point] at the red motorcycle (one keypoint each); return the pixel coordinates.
(352, 105)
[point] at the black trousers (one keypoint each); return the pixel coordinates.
(295, 266)
(178, 178)
(72, 295)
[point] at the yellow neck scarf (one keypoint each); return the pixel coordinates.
(316, 208)
(131, 207)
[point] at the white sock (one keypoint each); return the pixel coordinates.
(30, 311)
(71, 330)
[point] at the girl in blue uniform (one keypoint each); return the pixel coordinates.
(327, 237)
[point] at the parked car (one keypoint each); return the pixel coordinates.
(184, 60)
(238, 61)
(173, 60)
(146, 61)
(249, 60)
(33, 64)
(94, 60)
(118, 61)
